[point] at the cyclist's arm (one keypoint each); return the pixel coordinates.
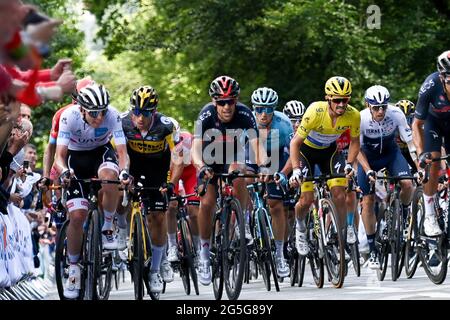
(287, 169)
(61, 157)
(259, 150)
(296, 142)
(49, 156)
(124, 159)
(418, 133)
(197, 159)
(353, 149)
(362, 159)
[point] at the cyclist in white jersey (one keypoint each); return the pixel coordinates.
(84, 151)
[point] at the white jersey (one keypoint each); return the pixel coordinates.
(78, 135)
(380, 137)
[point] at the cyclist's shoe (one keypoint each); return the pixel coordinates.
(109, 240)
(122, 239)
(282, 268)
(374, 264)
(431, 226)
(301, 243)
(156, 284)
(172, 254)
(248, 234)
(166, 271)
(204, 272)
(351, 236)
(72, 288)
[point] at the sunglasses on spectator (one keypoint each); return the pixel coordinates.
(268, 110)
(146, 113)
(96, 113)
(340, 100)
(224, 102)
(379, 106)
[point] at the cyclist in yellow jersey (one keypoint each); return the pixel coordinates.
(315, 143)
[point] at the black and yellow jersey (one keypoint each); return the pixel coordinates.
(156, 144)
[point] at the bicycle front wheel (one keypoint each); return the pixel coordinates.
(136, 261)
(91, 255)
(333, 244)
(234, 249)
(411, 249)
(61, 260)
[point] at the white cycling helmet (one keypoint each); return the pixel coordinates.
(93, 97)
(377, 95)
(294, 109)
(265, 97)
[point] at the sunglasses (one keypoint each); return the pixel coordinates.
(340, 100)
(224, 102)
(379, 106)
(145, 113)
(295, 121)
(268, 110)
(96, 113)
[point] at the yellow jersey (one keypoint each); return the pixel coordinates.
(317, 128)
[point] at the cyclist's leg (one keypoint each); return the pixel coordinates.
(172, 251)
(190, 182)
(399, 167)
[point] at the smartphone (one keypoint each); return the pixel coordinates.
(26, 164)
(34, 17)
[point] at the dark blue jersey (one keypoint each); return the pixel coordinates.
(432, 100)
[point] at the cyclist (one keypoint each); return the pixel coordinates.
(275, 131)
(294, 110)
(189, 179)
(431, 127)
(83, 150)
(407, 108)
(315, 143)
(379, 123)
(220, 127)
(150, 141)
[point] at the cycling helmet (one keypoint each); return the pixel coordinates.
(294, 109)
(144, 98)
(93, 97)
(377, 95)
(265, 97)
(443, 62)
(224, 87)
(338, 86)
(406, 106)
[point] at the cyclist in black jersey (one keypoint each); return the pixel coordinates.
(431, 129)
(220, 130)
(408, 109)
(151, 137)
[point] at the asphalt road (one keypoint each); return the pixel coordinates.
(365, 287)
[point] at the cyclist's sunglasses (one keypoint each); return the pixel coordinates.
(378, 107)
(268, 110)
(340, 100)
(96, 113)
(146, 113)
(224, 102)
(296, 121)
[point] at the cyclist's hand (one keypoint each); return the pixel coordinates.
(296, 178)
(65, 176)
(424, 159)
(16, 199)
(349, 171)
(371, 175)
(167, 188)
(125, 177)
(419, 175)
(205, 173)
(280, 178)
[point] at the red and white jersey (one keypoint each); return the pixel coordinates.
(185, 146)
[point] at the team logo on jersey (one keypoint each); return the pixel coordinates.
(166, 120)
(64, 120)
(100, 132)
(306, 119)
(78, 133)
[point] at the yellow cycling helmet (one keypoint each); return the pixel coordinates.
(406, 106)
(144, 98)
(338, 86)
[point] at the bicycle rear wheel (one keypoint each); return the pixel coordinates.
(61, 260)
(234, 249)
(333, 244)
(411, 256)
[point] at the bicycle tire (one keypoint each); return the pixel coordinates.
(315, 261)
(395, 232)
(293, 258)
(334, 236)
(61, 260)
(268, 248)
(354, 253)
(436, 275)
(105, 272)
(184, 251)
(136, 262)
(411, 255)
(234, 249)
(193, 253)
(216, 259)
(91, 259)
